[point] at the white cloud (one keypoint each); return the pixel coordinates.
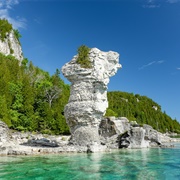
(160, 62)
(150, 64)
(151, 6)
(146, 65)
(5, 7)
(173, 1)
(178, 68)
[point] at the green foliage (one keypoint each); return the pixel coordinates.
(110, 112)
(17, 35)
(5, 28)
(24, 62)
(11, 51)
(140, 109)
(31, 99)
(83, 57)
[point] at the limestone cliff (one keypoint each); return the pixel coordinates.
(11, 46)
(88, 96)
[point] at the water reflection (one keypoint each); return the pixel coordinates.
(123, 164)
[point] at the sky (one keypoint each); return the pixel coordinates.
(146, 34)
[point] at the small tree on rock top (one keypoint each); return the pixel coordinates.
(83, 57)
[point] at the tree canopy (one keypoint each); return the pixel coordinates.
(141, 109)
(31, 99)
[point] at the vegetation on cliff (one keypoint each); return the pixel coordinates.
(5, 28)
(141, 109)
(83, 57)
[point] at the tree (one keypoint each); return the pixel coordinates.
(83, 57)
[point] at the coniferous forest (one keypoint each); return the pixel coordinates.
(141, 109)
(33, 100)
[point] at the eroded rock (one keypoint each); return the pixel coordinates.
(88, 96)
(4, 133)
(11, 46)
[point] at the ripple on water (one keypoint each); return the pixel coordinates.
(140, 164)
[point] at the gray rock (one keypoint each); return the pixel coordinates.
(4, 133)
(88, 96)
(11, 43)
(110, 126)
(41, 142)
(152, 135)
(120, 133)
(134, 138)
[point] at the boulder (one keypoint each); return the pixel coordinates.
(41, 142)
(110, 126)
(134, 138)
(88, 95)
(152, 135)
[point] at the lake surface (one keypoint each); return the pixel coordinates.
(140, 164)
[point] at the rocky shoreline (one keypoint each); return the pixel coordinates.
(84, 113)
(18, 143)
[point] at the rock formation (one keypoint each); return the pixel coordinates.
(11, 46)
(88, 96)
(4, 133)
(114, 133)
(120, 133)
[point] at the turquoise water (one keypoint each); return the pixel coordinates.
(144, 164)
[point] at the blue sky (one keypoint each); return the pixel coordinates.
(146, 33)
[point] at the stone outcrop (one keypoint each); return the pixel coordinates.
(155, 138)
(17, 143)
(111, 126)
(88, 95)
(120, 133)
(41, 142)
(4, 133)
(11, 46)
(133, 138)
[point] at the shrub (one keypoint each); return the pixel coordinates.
(83, 57)
(5, 28)
(17, 35)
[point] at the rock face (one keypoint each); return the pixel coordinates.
(11, 46)
(4, 133)
(111, 126)
(88, 96)
(134, 138)
(120, 133)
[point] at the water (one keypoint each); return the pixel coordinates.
(144, 164)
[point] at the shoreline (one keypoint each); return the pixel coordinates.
(24, 146)
(21, 150)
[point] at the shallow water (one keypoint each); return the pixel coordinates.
(141, 164)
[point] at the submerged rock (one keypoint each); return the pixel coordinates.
(88, 95)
